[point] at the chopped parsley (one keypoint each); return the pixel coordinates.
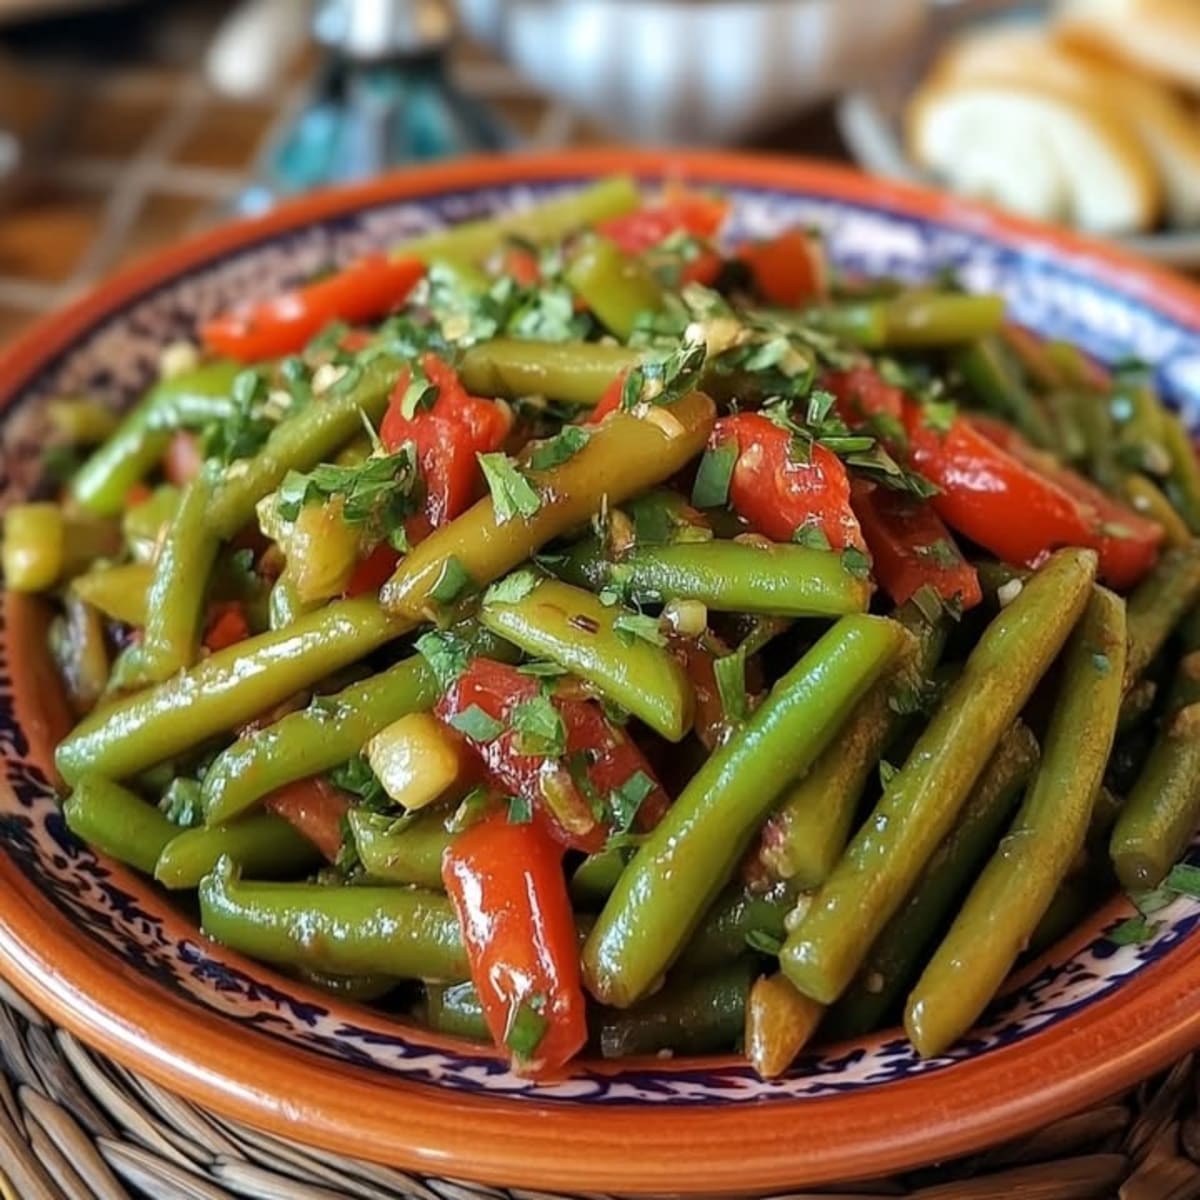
(941, 553)
(629, 625)
(180, 803)
(477, 725)
(420, 395)
(1184, 880)
(542, 669)
(520, 810)
(887, 772)
(856, 562)
(247, 426)
(812, 536)
(626, 800)
(938, 415)
(554, 451)
(665, 380)
(512, 494)
(356, 777)
(539, 728)
(711, 489)
(1134, 931)
(471, 810)
(451, 582)
(447, 654)
(513, 587)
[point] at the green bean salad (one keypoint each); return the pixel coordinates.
(579, 635)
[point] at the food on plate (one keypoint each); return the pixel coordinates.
(1051, 127)
(588, 635)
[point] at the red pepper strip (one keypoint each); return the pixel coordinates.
(710, 725)
(373, 571)
(507, 885)
(571, 803)
(1022, 512)
(285, 323)
(910, 546)
(693, 213)
(863, 395)
(788, 269)
(609, 402)
(777, 493)
(521, 266)
(447, 437)
(183, 460)
(315, 808)
(227, 625)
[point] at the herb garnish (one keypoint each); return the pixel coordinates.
(512, 494)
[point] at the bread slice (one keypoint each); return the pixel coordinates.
(1161, 37)
(1167, 128)
(1005, 118)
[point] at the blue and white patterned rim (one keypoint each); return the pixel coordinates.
(117, 358)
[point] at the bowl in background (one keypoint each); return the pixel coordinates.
(694, 71)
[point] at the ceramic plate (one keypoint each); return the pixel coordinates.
(109, 958)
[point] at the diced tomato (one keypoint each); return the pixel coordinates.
(710, 724)
(447, 437)
(139, 493)
(910, 546)
(1020, 504)
(315, 808)
(354, 340)
(777, 492)
(373, 571)
(507, 884)
(285, 323)
(599, 757)
(679, 211)
(789, 269)
(183, 460)
(863, 395)
(521, 266)
(227, 625)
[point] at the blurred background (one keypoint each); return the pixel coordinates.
(125, 124)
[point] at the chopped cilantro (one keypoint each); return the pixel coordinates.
(451, 583)
(629, 625)
(665, 380)
(420, 395)
(512, 494)
(477, 725)
(711, 489)
(938, 415)
(941, 553)
(887, 772)
(542, 669)
(471, 810)
(820, 405)
(628, 798)
(764, 942)
(856, 562)
(448, 655)
(539, 728)
(1184, 880)
(513, 587)
(555, 451)
(180, 803)
(730, 673)
(928, 603)
(1134, 931)
(245, 429)
(520, 810)
(526, 1028)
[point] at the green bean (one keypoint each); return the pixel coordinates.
(995, 383)
(734, 916)
(117, 822)
(1185, 690)
(595, 877)
(44, 545)
(898, 952)
(779, 1023)
(912, 319)
(1159, 603)
(331, 730)
(175, 601)
(1075, 367)
(81, 422)
(299, 443)
(1145, 497)
(696, 1015)
(1070, 434)
(1096, 424)
(455, 1011)
(192, 398)
(362, 989)
(473, 241)
(624, 456)
(284, 606)
(574, 629)
(1067, 908)
(411, 853)
(1183, 481)
(118, 592)
(576, 373)
(1139, 420)
(1162, 811)
(730, 576)
(409, 933)
(80, 653)
(922, 800)
(263, 844)
(143, 525)
(1019, 882)
(677, 871)
(1137, 705)
(1036, 364)
(617, 288)
(808, 832)
(223, 691)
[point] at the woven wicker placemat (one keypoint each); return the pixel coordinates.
(74, 1126)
